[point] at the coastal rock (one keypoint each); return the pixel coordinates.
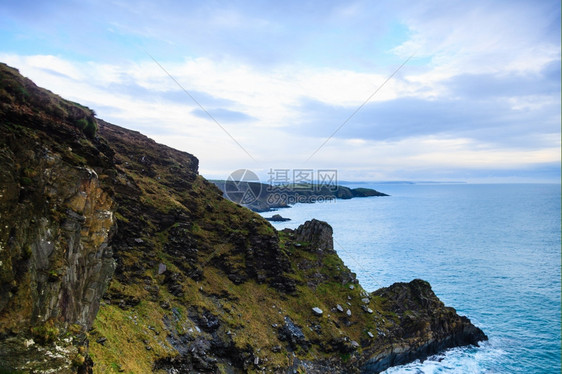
(277, 218)
(317, 233)
(426, 326)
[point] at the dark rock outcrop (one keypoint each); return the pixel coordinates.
(366, 192)
(426, 326)
(277, 218)
(317, 234)
(292, 334)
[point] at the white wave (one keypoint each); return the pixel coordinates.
(465, 360)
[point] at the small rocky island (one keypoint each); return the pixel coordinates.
(277, 218)
(117, 256)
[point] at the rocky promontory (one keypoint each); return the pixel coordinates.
(261, 197)
(117, 256)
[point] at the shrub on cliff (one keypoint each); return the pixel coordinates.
(88, 126)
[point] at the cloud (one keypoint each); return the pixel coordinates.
(484, 36)
(485, 86)
(223, 115)
(394, 135)
(481, 92)
(505, 122)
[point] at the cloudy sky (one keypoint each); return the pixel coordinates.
(379, 90)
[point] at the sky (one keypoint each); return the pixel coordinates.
(376, 90)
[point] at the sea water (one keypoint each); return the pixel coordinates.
(493, 252)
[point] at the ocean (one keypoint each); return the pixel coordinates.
(493, 252)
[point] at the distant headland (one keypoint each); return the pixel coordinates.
(261, 197)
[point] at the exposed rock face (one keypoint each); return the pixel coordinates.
(57, 219)
(425, 326)
(317, 233)
(198, 283)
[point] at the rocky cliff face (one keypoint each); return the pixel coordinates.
(116, 256)
(56, 222)
(423, 326)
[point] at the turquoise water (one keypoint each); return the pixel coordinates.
(490, 251)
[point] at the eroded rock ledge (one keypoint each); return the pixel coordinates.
(407, 320)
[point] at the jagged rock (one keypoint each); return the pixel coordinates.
(339, 308)
(317, 233)
(436, 327)
(292, 334)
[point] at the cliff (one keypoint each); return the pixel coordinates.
(116, 256)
